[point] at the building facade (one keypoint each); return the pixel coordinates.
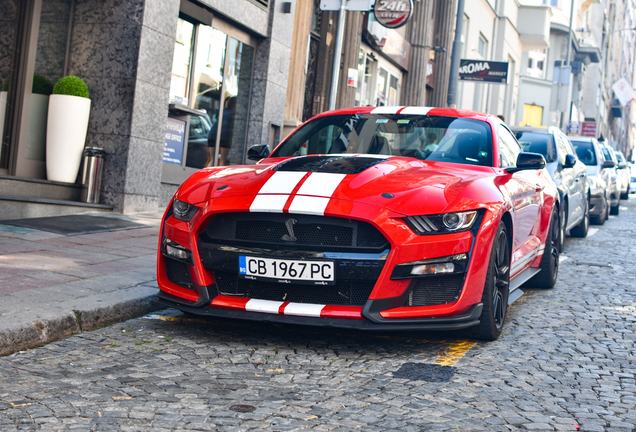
(214, 71)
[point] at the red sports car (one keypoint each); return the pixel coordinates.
(396, 218)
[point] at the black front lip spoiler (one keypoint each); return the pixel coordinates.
(457, 322)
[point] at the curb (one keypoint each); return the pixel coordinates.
(73, 320)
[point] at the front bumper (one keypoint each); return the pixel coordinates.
(456, 322)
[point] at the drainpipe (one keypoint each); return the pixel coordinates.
(454, 72)
(336, 61)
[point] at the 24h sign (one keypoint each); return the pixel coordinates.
(392, 13)
(484, 71)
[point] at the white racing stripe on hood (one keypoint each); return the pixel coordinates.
(387, 110)
(282, 182)
(321, 184)
(269, 203)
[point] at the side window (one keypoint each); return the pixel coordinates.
(508, 148)
(563, 149)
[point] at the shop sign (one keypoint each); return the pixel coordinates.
(392, 13)
(173, 144)
(397, 48)
(588, 129)
(351, 5)
(352, 77)
(487, 71)
(573, 128)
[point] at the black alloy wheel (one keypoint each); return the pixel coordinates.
(616, 209)
(582, 228)
(496, 289)
(549, 266)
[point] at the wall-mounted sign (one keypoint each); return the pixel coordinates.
(351, 5)
(487, 71)
(588, 129)
(392, 13)
(352, 77)
(173, 144)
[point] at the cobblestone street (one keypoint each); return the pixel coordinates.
(564, 362)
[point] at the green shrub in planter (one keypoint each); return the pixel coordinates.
(41, 85)
(72, 86)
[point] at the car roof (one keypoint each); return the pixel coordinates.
(414, 110)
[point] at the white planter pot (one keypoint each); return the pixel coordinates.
(67, 125)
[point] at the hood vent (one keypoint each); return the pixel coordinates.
(329, 164)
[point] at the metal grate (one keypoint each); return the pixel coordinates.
(266, 230)
(434, 290)
(345, 293)
(178, 273)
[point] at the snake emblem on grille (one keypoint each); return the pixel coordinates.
(290, 237)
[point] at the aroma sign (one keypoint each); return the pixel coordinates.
(392, 13)
(485, 71)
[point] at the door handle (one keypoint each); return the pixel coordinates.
(582, 175)
(576, 179)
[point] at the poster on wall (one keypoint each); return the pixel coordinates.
(173, 144)
(352, 77)
(491, 72)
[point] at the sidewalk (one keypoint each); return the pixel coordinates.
(53, 286)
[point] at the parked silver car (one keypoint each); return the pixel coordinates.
(623, 174)
(599, 176)
(616, 185)
(569, 175)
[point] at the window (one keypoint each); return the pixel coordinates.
(537, 142)
(536, 62)
(464, 38)
(563, 148)
(551, 2)
(585, 152)
(508, 148)
(442, 139)
(481, 46)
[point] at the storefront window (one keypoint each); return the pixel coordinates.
(361, 58)
(213, 78)
(8, 27)
(381, 96)
(181, 62)
(393, 91)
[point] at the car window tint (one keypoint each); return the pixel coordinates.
(585, 152)
(537, 142)
(433, 138)
(607, 154)
(508, 148)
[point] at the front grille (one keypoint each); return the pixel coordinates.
(434, 290)
(310, 232)
(345, 293)
(178, 273)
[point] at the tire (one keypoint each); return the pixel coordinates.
(496, 290)
(562, 226)
(581, 229)
(600, 219)
(547, 277)
(615, 210)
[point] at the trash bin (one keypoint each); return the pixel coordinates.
(92, 170)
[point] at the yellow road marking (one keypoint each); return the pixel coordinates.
(456, 351)
(19, 405)
(121, 397)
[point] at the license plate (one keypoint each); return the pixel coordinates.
(284, 270)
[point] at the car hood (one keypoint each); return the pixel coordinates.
(403, 185)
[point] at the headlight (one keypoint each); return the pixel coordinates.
(183, 211)
(442, 224)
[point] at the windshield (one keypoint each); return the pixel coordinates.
(537, 142)
(442, 139)
(607, 154)
(585, 151)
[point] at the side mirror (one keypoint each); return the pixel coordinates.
(528, 161)
(258, 152)
(608, 164)
(570, 161)
(622, 165)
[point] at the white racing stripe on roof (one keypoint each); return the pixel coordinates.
(416, 110)
(269, 203)
(265, 306)
(321, 184)
(309, 205)
(387, 110)
(282, 182)
(301, 309)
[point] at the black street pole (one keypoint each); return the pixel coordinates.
(454, 71)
